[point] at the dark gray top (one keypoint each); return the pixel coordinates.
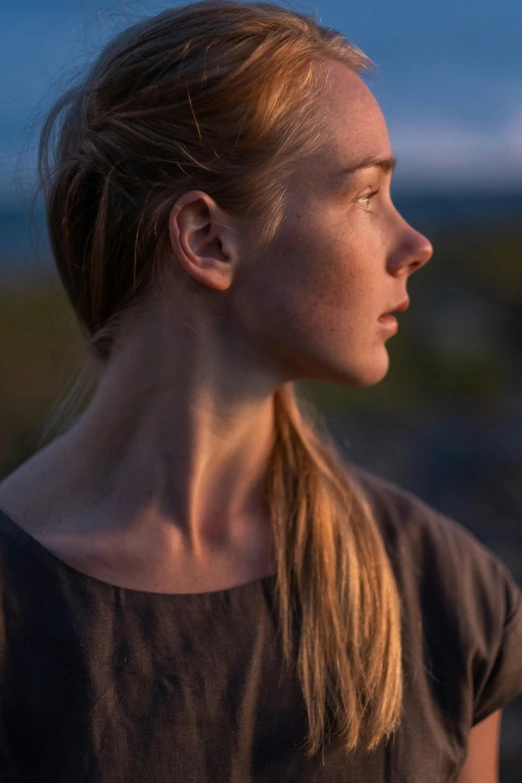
(112, 685)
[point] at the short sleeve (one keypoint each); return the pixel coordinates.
(473, 608)
(467, 603)
(473, 612)
(499, 680)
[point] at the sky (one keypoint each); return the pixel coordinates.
(449, 79)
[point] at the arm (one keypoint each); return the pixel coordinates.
(481, 765)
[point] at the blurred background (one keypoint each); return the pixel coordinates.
(446, 422)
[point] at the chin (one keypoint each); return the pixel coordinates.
(360, 375)
(371, 380)
(368, 368)
(373, 375)
(364, 380)
(367, 374)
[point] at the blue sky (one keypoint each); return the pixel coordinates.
(449, 78)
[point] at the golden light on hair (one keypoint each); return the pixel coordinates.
(221, 97)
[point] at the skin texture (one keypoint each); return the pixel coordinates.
(172, 473)
(167, 482)
(481, 765)
(162, 491)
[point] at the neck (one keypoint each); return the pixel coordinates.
(178, 434)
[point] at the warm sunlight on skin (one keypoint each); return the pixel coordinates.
(343, 256)
(481, 765)
(180, 460)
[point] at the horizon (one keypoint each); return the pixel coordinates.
(449, 80)
(24, 243)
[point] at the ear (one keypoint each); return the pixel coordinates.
(204, 239)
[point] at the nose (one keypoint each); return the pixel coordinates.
(412, 251)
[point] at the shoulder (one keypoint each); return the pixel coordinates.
(466, 599)
(434, 544)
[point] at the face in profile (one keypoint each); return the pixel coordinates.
(343, 255)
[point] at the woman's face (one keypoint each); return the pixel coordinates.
(313, 299)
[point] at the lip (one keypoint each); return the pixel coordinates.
(399, 308)
(389, 322)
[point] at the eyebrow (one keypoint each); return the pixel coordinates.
(385, 164)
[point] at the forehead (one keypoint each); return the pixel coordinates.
(356, 126)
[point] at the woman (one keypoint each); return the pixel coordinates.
(195, 585)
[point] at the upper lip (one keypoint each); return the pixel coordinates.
(400, 308)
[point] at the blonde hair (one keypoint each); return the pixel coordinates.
(220, 96)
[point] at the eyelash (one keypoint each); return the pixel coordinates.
(367, 198)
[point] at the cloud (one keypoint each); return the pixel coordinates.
(446, 151)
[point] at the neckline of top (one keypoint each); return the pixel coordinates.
(35, 548)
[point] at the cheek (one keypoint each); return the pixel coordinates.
(311, 304)
(313, 285)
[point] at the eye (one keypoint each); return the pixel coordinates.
(365, 200)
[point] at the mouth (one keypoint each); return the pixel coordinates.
(399, 308)
(389, 321)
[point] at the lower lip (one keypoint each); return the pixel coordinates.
(389, 321)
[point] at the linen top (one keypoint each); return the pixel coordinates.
(105, 684)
